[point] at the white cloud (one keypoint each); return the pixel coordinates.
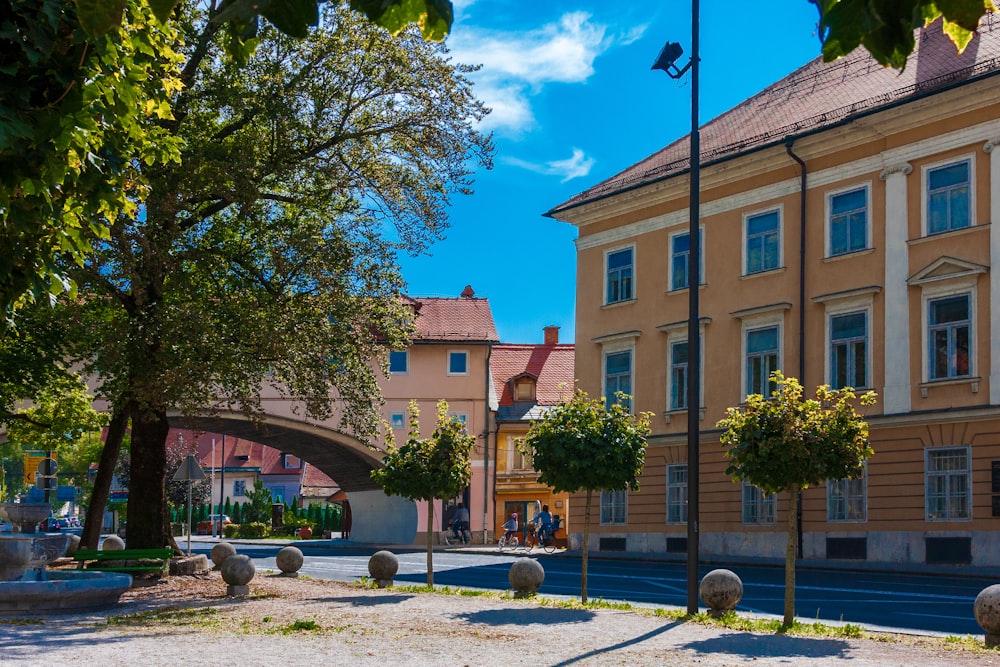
(572, 167)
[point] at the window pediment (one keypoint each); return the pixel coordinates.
(946, 268)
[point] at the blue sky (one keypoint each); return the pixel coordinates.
(574, 102)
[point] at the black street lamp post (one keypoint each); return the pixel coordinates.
(666, 61)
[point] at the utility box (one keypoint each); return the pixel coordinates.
(277, 517)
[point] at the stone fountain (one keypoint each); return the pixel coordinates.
(26, 587)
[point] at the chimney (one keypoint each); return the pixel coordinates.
(551, 334)
(468, 292)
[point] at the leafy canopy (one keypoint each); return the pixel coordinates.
(784, 442)
(582, 445)
(886, 27)
(428, 468)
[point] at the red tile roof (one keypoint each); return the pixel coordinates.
(814, 97)
(551, 364)
(453, 319)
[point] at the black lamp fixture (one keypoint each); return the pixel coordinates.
(667, 61)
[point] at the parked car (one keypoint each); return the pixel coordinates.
(6, 526)
(205, 527)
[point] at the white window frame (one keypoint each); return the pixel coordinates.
(754, 324)
(932, 293)
(828, 218)
(780, 210)
(614, 508)
(677, 493)
(853, 492)
(606, 273)
(671, 286)
(397, 420)
(464, 353)
(239, 488)
(948, 475)
(845, 307)
(925, 192)
(516, 461)
(288, 459)
(766, 507)
(678, 334)
(406, 356)
(613, 349)
(460, 416)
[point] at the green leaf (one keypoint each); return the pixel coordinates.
(433, 16)
(162, 8)
(292, 17)
(99, 16)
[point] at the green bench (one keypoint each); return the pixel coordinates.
(124, 560)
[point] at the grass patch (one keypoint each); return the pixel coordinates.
(21, 621)
(206, 617)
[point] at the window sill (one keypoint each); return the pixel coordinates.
(615, 304)
(669, 414)
(930, 238)
(758, 274)
(841, 522)
(973, 383)
(848, 255)
(682, 290)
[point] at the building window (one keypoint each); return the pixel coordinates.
(458, 362)
(619, 287)
(516, 459)
(763, 233)
(399, 362)
(617, 376)
(239, 488)
(680, 257)
(397, 420)
(848, 221)
(290, 461)
(677, 493)
(460, 416)
(948, 197)
(757, 508)
(847, 499)
(613, 506)
(524, 390)
(761, 359)
(678, 375)
(949, 484)
(949, 336)
(849, 350)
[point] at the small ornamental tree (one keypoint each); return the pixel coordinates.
(438, 467)
(785, 443)
(582, 445)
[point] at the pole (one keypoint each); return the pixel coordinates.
(222, 486)
(211, 493)
(189, 516)
(694, 337)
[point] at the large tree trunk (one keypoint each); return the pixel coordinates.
(430, 542)
(586, 543)
(791, 550)
(148, 523)
(94, 521)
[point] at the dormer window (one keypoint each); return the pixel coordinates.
(290, 461)
(524, 390)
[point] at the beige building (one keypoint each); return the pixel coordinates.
(846, 218)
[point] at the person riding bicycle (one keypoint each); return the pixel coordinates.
(460, 523)
(543, 524)
(510, 526)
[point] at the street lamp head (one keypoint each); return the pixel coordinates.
(667, 60)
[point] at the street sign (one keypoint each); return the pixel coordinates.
(32, 457)
(189, 470)
(47, 467)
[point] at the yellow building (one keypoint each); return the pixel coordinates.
(846, 229)
(528, 380)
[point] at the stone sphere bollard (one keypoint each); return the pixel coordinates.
(222, 551)
(720, 590)
(113, 543)
(526, 576)
(987, 611)
(289, 560)
(237, 571)
(72, 545)
(383, 566)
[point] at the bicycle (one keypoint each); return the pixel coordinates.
(505, 542)
(548, 540)
(461, 536)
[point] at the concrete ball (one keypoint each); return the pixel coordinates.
(238, 570)
(987, 611)
(222, 551)
(526, 576)
(113, 543)
(383, 566)
(721, 590)
(72, 545)
(289, 559)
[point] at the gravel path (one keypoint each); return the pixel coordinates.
(285, 621)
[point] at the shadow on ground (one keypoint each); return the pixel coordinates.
(757, 646)
(527, 616)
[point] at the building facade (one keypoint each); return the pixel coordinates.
(847, 239)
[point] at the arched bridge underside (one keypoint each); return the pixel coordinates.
(377, 518)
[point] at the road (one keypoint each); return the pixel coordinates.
(920, 603)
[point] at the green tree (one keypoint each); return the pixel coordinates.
(787, 444)
(886, 27)
(585, 445)
(428, 469)
(258, 505)
(268, 252)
